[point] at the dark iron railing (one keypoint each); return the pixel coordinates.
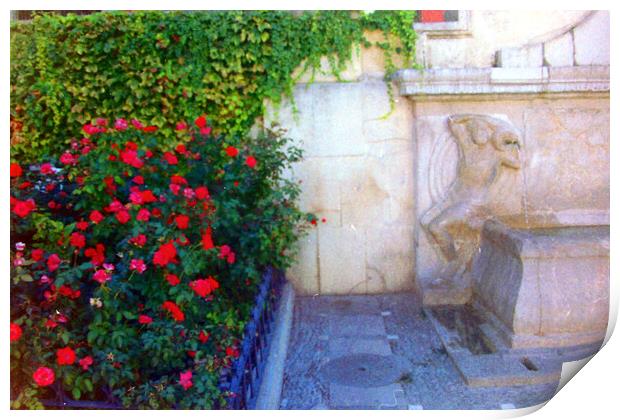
(241, 383)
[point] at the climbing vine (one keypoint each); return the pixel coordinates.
(166, 67)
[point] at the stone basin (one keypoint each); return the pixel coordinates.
(544, 287)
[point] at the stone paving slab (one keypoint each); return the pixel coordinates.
(343, 346)
(434, 382)
(351, 397)
(356, 325)
(343, 305)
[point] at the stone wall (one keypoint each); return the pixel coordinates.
(565, 177)
(358, 175)
(371, 177)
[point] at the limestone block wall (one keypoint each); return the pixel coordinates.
(372, 177)
(358, 175)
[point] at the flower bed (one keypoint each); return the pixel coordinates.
(135, 267)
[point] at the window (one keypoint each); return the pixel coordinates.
(443, 23)
(429, 16)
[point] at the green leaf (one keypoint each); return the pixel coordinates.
(88, 384)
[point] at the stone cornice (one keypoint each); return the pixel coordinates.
(434, 83)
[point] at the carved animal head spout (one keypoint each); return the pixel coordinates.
(481, 130)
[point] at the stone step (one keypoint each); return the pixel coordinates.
(500, 366)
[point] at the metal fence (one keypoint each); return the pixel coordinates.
(241, 383)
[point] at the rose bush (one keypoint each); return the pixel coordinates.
(134, 266)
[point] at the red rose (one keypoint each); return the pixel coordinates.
(137, 124)
(120, 124)
(23, 208)
(232, 352)
(204, 287)
(82, 225)
(179, 180)
(138, 265)
(130, 157)
(189, 193)
(175, 188)
(65, 356)
(43, 376)
(90, 129)
(36, 254)
(181, 126)
(165, 254)
(200, 121)
(232, 151)
(135, 198)
(77, 240)
(123, 216)
(95, 216)
(138, 179)
(250, 161)
(53, 261)
(202, 193)
(85, 362)
(143, 215)
(115, 206)
(203, 337)
(174, 310)
(130, 145)
(170, 158)
(227, 254)
(150, 129)
(181, 149)
(96, 255)
(69, 292)
(185, 379)
(205, 131)
(139, 240)
(182, 221)
(145, 319)
(172, 279)
(16, 332)
(148, 196)
(16, 170)
(207, 241)
(102, 276)
(68, 159)
(46, 169)
(224, 251)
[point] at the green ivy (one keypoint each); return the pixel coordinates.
(166, 67)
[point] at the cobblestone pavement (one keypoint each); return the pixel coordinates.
(380, 352)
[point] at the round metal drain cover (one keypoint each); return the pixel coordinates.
(365, 370)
